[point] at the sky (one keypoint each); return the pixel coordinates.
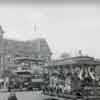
(67, 27)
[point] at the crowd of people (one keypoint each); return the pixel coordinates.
(71, 84)
(59, 84)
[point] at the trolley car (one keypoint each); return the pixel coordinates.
(22, 81)
(26, 81)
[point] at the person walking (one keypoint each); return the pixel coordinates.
(12, 96)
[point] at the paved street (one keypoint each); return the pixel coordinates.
(25, 96)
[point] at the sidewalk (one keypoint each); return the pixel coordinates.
(3, 90)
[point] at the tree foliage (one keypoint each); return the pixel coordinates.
(65, 55)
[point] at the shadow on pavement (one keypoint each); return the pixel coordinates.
(50, 99)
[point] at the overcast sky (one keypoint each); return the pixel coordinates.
(67, 27)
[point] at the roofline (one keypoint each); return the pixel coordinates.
(28, 58)
(75, 60)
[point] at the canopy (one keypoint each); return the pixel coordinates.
(80, 60)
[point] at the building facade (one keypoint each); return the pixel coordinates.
(10, 50)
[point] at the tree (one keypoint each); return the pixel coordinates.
(65, 55)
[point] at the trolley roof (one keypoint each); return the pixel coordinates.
(28, 59)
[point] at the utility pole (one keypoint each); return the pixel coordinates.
(2, 49)
(38, 43)
(35, 28)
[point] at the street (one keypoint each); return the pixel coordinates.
(26, 96)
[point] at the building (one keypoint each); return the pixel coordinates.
(71, 70)
(10, 50)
